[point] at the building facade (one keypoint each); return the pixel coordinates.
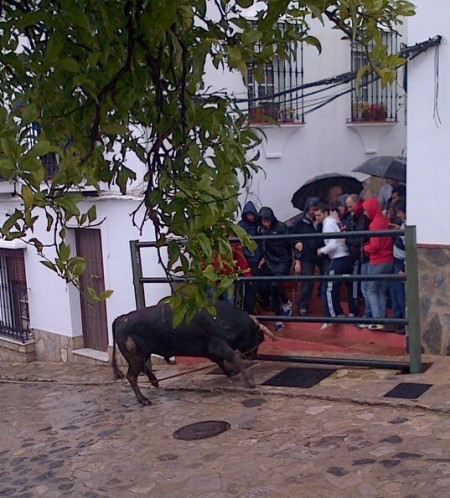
(317, 123)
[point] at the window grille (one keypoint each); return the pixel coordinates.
(14, 311)
(50, 161)
(370, 100)
(277, 96)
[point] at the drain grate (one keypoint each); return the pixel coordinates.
(201, 430)
(408, 390)
(299, 377)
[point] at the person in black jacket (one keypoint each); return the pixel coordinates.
(250, 223)
(276, 260)
(305, 253)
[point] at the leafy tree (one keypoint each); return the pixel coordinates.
(104, 80)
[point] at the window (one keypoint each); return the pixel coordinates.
(50, 161)
(276, 96)
(370, 100)
(14, 313)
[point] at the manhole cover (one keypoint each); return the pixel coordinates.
(201, 430)
(408, 390)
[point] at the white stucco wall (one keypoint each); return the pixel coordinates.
(54, 305)
(292, 154)
(429, 140)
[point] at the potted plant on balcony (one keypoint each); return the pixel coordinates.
(263, 112)
(370, 112)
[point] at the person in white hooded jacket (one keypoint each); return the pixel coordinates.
(340, 261)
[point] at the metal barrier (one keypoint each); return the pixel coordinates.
(411, 322)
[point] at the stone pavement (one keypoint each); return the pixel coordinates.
(67, 429)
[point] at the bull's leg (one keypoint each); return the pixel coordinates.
(136, 365)
(149, 373)
(229, 369)
(220, 350)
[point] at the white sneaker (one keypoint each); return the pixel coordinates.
(326, 326)
(376, 326)
(287, 309)
(278, 326)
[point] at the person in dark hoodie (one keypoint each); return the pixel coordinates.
(305, 253)
(396, 287)
(381, 260)
(249, 222)
(276, 260)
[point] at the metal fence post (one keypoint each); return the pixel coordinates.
(412, 300)
(137, 274)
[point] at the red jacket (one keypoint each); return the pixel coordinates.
(237, 264)
(379, 249)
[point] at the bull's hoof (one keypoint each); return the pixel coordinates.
(249, 381)
(144, 401)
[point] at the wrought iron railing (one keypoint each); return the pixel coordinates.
(277, 95)
(371, 101)
(21, 335)
(410, 277)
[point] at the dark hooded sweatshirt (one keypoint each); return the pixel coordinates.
(252, 230)
(277, 253)
(379, 249)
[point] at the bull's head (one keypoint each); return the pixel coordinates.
(253, 338)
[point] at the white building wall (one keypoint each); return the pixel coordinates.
(291, 154)
(428, 178)
(48, 295)
(54, 305)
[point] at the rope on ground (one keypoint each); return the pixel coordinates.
(6, 380)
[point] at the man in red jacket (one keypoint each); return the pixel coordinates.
(381, 260)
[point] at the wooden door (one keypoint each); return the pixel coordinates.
(93, 315)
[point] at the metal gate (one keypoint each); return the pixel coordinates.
(14, 313)
(411, 322)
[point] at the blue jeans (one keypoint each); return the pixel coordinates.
(330, 290)
(397, 292)
(377, 289)
(364, 284)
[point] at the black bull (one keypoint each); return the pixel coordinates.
(149, 331)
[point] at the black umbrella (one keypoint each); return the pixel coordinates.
(392, 167)
(321, 184)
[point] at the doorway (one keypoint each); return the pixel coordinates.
(93, 315)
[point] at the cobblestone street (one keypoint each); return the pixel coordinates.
(69, 431)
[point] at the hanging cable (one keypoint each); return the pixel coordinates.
(436, 117)
(409, 53)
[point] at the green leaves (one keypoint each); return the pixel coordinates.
(103, 86)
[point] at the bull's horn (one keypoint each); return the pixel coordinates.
(263, 328)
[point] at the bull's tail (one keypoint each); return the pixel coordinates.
(118, 374)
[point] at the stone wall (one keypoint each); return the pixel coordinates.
(55, 347)
(434, 292)
(18, 352)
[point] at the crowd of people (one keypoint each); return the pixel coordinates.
(319, 253)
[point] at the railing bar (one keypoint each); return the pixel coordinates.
(335, 235)
(390, 365)
(287, 278)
